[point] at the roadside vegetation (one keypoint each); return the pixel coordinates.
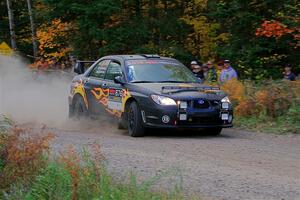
(29, 172)
(268, 106)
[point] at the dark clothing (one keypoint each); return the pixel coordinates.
(291, 76)
(199, 75)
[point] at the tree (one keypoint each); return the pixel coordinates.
(119, 26)
(52, 39)
(32, 26)
(203, 39)
(254, 57)
(11, 24)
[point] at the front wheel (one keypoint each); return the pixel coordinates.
(213, 131)
(134, 120)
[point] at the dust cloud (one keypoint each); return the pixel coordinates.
(31, 98)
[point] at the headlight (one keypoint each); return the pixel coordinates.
(164, 101)
(225, 102)
(225, 99)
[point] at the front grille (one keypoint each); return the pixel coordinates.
(202, 121)
(201, 104)
(205, 120)
(215, 102)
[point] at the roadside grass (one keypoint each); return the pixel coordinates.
(55, 182)
(28, 172)
(284, 124)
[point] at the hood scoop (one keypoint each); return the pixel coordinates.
(177, 89)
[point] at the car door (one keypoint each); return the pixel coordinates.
(114, 105)
(97, 92)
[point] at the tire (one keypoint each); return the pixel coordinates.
(80, 111)
(213, 131)
(134, 120)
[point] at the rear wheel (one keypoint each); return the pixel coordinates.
(134, 120)
(213, 131)
(80, 109)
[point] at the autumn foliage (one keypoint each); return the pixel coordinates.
(74, 164)
(52, 39)
(22, 156)
(273, 28)
(272, 99)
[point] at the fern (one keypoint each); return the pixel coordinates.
(54, 183)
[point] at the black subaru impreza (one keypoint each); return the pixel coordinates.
(148, 91)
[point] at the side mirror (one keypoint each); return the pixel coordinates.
(79, 67)
(119, 80)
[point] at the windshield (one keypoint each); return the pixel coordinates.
(158, 70)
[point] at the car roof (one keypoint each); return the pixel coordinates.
(140, 57)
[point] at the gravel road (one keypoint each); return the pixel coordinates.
(235, 165)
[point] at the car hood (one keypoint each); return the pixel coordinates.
(181, 91)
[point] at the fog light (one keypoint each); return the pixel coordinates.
(165, 119)
(225, 105)
(224, 116)
(183, 104)
(182, 117)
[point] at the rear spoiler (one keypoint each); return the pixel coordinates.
(80, 66)
(175, 89)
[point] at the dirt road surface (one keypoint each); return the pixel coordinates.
(235, 165)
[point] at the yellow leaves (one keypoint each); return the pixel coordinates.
(271, 98)
(202, 42)
(238, 93)
(51, 38)
(196, 5)
(273, 58)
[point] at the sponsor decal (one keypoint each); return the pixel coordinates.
(185, 85)
(150, 62)
(201, 101)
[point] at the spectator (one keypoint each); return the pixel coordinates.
(219, 69)
(212, 73)
(205, 71)
(288, 74)
(227, 73)
(196, 69)
(193, 63)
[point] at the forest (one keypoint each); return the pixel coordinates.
(260, 37)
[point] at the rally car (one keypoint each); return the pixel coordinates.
(148, 91)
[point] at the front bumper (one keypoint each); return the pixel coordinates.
(195, 118)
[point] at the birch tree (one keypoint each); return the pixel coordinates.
(11, 24)
(32, 26)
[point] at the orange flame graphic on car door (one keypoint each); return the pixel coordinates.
(101, 96)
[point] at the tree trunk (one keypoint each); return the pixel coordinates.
(11, 25)
(32, 26)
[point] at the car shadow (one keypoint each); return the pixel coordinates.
(186, 133)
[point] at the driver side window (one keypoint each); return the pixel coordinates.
(114, 69)
(100, 69)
